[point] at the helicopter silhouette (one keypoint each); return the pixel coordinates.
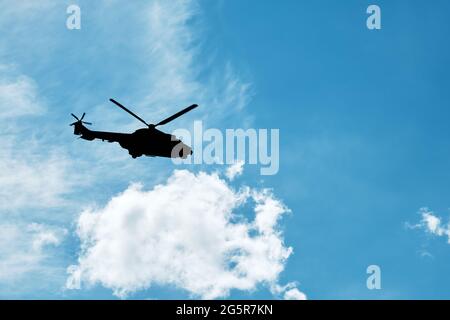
(146, 141)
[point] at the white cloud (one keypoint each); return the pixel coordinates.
(191, 233)
(288, 291)
(433, 224)
(24, 248)
(18, 97)
(30, 179)
(235, 170)
(294, 294)
(32, 173)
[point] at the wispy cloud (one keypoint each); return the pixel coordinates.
(432, 224)
(18, 96)
(175, 64)
(235, 170)
(25, 248)
(32, 173)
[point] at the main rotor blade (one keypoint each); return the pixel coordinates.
(82, 117)
(176, 115)
(88, 123)
(75, 116)
(125, 109)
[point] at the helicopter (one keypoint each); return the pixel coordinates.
(147, 141)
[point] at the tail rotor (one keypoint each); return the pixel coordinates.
(80, 120)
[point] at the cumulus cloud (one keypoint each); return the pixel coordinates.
(433, 224)
(194, 232)
(24, 248)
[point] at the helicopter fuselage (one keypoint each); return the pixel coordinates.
(146, 141)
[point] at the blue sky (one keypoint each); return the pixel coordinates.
(362, 117)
